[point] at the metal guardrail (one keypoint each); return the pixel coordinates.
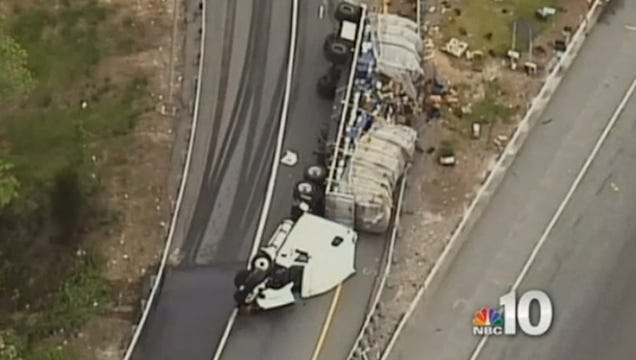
(362, 345)
(158, 278)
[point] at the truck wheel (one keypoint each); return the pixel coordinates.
(278, 279)
(338, 51)
(348, 12)
(261, 262)
(240, 277)
(304, 190)
(316, 174)
(328, 40)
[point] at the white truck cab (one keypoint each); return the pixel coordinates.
(303, 259)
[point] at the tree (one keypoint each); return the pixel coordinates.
(9, 185)
(15, 77)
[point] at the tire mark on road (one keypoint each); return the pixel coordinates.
(199, 216)
(261, 164)
(239, 213)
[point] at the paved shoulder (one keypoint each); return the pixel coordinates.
(501, 241)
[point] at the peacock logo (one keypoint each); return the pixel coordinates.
(488, 321)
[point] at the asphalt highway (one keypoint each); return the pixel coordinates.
(292, 333)
(588, 259)
(241, 97)
(244, 64)
(243, 84)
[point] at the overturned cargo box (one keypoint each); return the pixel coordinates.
(365, 194)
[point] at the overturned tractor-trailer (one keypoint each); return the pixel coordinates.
(366, 151)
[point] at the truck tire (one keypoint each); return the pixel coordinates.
(304, 190)
(316, 174)
(240, 277)
(328, 40)
(348, 12)
(279, 279)
(261, 262)
(337, 51)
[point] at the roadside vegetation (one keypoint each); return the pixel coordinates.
(488, 24)
(57, 113)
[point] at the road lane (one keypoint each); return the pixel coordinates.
(241, 97)
(233, 151)
(502, 239)
(268, 335)
(587, 263)
(293, 332)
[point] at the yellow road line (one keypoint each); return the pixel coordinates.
(327, 325)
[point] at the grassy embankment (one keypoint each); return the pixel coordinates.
(55, 113)
(489, 26)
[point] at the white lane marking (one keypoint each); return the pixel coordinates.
(321, 11)
(275, 164)
(630, 27)
(566, 200)
(177, 208)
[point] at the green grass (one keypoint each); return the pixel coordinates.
(45, 142)
(491, 108)
(65, 44)
(16, 347)
(48, 134)
(50, 138)
(479, 18)
(84, 293)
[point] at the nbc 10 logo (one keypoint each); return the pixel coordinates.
(515, 313)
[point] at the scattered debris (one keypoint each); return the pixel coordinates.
(546, 12)
(614, 187)
(513, 57)
(290, 158)
(476, 130)
(447, 154)
(456, 47)
(531, 68)
(560, 45)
